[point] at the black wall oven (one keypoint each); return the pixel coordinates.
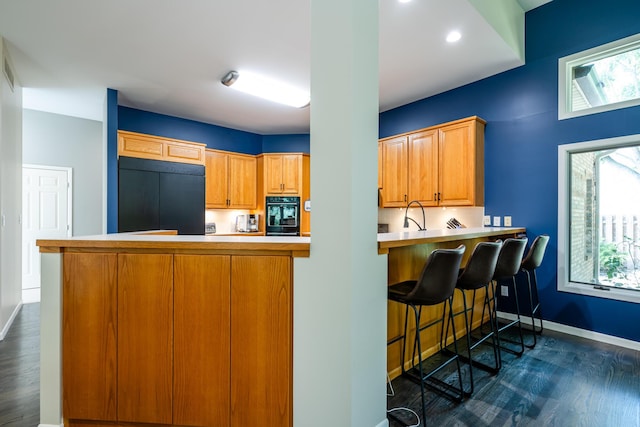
(282, 216)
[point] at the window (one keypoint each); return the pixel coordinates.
(604, 78)
(598, 218)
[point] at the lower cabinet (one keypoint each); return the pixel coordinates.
(184, 340)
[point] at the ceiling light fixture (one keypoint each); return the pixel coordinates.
(266, 88)
(453, 36)
(404, 1)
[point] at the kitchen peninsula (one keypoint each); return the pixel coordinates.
(168, 330)
(175, 330)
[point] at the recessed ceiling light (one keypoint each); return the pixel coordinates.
(404, 1)
(266, 88)
(453, 36)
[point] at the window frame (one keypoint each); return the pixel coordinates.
(564, 216)
(565, 77)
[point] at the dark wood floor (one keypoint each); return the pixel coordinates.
(20, 370)
(563, 381)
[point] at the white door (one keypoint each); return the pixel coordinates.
(46, 214)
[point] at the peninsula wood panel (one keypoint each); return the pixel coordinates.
(202, 322)
(89, 321)
(145, 338)
(261, 341)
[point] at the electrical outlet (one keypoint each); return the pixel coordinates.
(507, 221)
(496, 221)
(504, 290)
(487, 220)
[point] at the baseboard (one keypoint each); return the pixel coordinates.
(30, 295)
(582, 333)
(6, 328)
(50, 425)
(383, 423)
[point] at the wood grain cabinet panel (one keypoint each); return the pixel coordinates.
(261, 341)
(133, 144)
(438, 166)
(202, 325)
(283, 174)
(231, 180)
(89, 322)
(145, 338)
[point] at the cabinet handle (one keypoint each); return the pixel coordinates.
(435, 196)
(405, 197)
(438, 196)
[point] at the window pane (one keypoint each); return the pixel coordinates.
(611, 79)
(604, 210)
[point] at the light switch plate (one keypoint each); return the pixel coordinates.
(504, 291)
(507, 221)
(487, 220)
(496, 221)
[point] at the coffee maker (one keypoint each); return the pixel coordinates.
(252, 222)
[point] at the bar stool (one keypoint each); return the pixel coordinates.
(478, 274)
(508, 265)
(530, 263)
(435, 285)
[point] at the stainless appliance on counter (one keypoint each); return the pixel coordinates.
(283, 216)
(247, 223)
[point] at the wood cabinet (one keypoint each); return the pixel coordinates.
(231, 180)
(152, 147)
(89, 336)
(283, 174)
(437, 166)
(177, 339)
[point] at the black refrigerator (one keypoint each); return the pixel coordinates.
(159, 195)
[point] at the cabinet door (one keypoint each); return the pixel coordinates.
(291, 174)
(261, 341)
(145, 338)
(217, 173)
(201, 340)
(423, 167)
(273, 169)
(380, 163)
(89, 321)
(242, 182)
(394, 175)
(457, 165)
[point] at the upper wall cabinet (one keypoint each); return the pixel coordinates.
(143, 146)
(230, 180)
(438, 166)
(283, 174)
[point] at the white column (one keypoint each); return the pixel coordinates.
(51, 340)
(340, 299)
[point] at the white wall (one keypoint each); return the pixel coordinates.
(56, 140)
(10, 198)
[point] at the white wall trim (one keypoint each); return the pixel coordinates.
(7, 326)
(578, 332)
(383, 423)
(50, 425)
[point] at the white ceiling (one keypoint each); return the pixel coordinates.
(168, 56)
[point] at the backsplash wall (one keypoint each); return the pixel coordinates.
(435, 218)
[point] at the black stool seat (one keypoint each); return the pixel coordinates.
(435, 285)
(531, 261)
(478, 274)
(508, 265)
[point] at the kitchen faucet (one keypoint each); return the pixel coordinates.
(407, 218)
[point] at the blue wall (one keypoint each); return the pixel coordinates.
(523, 133)
(112, 160)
